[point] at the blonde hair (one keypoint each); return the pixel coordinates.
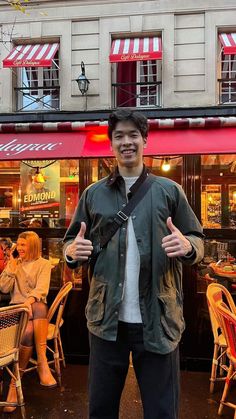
(34, 244)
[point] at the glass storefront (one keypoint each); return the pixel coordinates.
(42, 195)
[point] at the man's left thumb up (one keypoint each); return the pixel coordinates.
(170, 225)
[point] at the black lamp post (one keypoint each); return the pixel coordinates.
(82, 80)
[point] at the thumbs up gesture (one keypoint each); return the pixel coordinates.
(175, 244)
(81, 248)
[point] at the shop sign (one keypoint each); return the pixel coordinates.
(40, 189)
(40, 145)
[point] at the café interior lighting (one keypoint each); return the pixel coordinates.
(165, 165)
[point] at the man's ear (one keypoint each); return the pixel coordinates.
(144, 142)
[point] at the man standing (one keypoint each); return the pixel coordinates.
(135, 302)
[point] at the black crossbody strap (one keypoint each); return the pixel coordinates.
(122, 216)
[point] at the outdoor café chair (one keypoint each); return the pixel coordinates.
(228, 321)
(215, 293)
(55, 321)
(13, 321)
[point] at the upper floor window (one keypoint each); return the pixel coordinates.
(227, 80)
(137, 72)
(37, 76)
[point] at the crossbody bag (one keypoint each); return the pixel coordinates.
(120, 218)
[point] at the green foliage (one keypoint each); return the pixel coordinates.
(18, 5)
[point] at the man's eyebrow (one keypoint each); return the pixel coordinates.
(122, 131)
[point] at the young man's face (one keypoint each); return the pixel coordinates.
(127, 144)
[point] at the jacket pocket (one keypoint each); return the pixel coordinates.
(96, 303)
(172, 320)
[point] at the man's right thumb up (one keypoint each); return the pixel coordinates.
(82, 231)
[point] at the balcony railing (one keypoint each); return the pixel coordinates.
(44, 98)
(140, 94)
(227, 91)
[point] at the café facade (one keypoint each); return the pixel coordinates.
(45, 166)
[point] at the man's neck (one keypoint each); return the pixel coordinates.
(130, 171)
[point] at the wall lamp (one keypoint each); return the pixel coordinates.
(83, 82)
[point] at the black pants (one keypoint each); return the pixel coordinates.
(157, 375)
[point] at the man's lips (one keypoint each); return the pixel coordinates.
(127, 152)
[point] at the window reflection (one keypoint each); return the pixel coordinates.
(218, 197)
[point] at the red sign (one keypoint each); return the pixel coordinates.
(41, 145)
(95, 143)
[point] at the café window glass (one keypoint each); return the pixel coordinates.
(218, 191)
(38, 88)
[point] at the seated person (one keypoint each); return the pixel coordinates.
(27, 278)
(2, 262)
(6, 245)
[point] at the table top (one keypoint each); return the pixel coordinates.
(220, 271)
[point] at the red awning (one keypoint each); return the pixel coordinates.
(37, 55)
(228, 42)
(136, 49)
(59, 145)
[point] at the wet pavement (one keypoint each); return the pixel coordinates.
(72, 401)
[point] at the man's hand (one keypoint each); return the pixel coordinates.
(80, 248)
(175, 244)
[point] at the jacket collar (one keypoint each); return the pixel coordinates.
(116, 178)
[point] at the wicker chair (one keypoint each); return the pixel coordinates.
(215, 294)
(13, 321)
(228, 322)
(55, 321)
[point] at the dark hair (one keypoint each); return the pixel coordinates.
(138, 119)
(7, 241)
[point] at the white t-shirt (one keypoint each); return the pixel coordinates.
(130, 309)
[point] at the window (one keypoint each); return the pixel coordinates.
(137, 72)
(227, 80)
(38, 88)
(218, 197)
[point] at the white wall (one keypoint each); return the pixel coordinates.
(85, 28)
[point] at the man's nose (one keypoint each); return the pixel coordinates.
(126, 139)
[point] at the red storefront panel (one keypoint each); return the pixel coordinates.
(59, 145)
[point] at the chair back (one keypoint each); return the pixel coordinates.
(59, 304)
(217, 293)
(228, 321)
(13, 321)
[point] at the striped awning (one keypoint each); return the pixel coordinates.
(36, 55)
(228, 42)
(136, 49)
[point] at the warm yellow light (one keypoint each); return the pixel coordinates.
(165, 165)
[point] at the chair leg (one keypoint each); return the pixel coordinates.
(226, 388)
(61, 350)
(57, 361)
(19, 392)
(214, 367)
(25, 353)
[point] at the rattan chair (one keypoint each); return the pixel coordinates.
(215, 294)
(13, 321)
(55, 321)
(228, 322)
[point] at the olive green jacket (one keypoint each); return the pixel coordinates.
(160, 279)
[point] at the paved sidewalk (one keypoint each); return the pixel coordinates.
(72, 401)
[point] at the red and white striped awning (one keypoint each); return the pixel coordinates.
(37, 55)
(136, 49)
(228, 42)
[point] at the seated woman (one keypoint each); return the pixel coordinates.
(27, 278)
